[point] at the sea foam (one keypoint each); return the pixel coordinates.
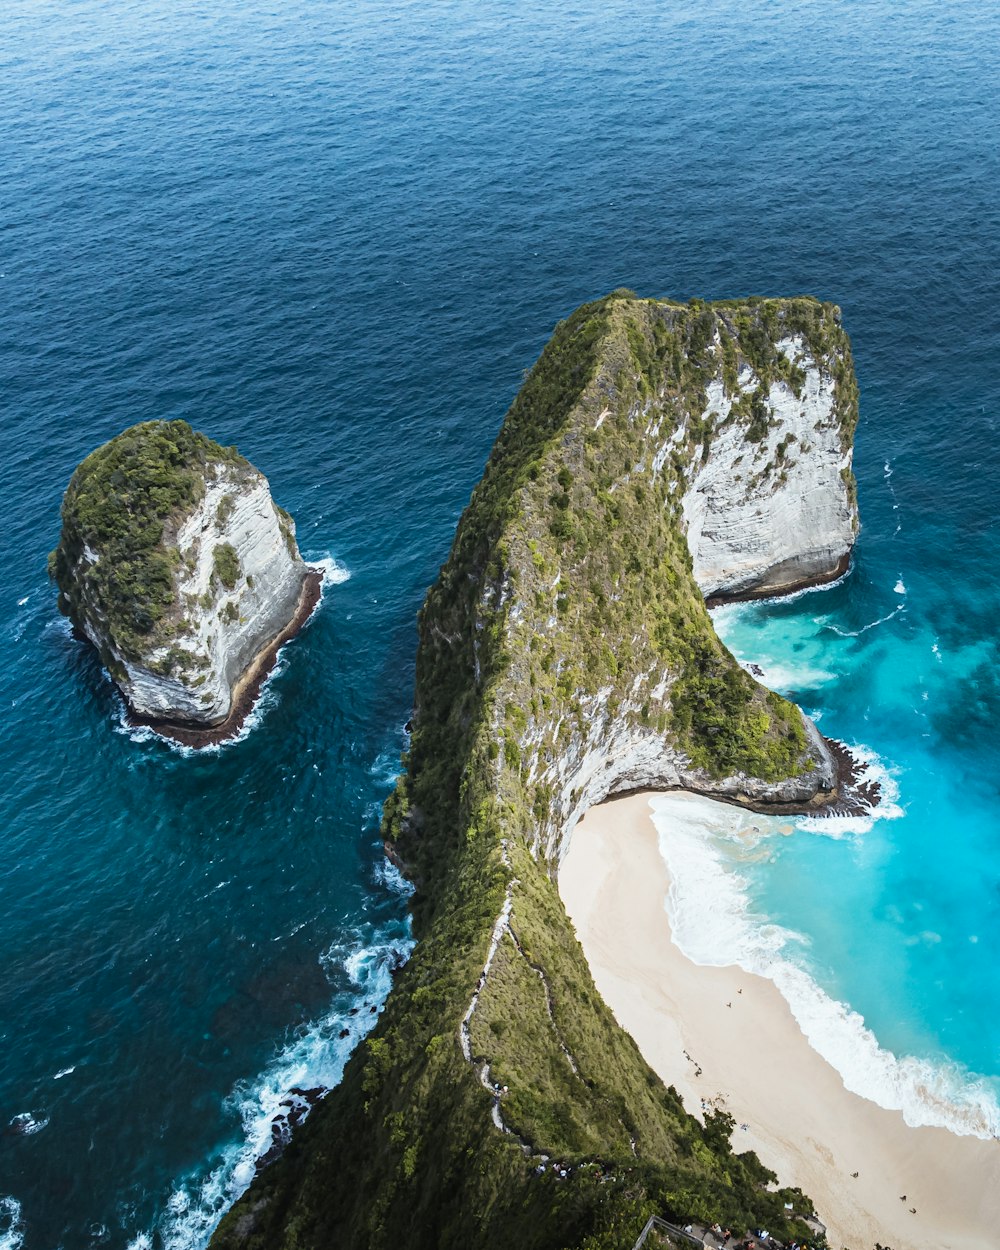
(856, 633)
(778, 668)
(27, 1123)
(872, 773)
(785, 676)
(11, 1224)
(703, 843)
(314, 1059)
(143, 734)
(334, 573)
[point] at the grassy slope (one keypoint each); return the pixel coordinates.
(570, 525)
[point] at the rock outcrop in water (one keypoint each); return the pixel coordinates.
(657, 453)
(185, 575)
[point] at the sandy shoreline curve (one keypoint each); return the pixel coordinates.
(752, 1059)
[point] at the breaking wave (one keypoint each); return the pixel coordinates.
(267, 699)
(701, 841)
(334, 573)
(27, 1123)
(11, 1224)
(856, 633)
(873, 776)
(282, 1095)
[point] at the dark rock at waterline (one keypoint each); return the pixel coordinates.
(857, 794)
(311, 1096)
(299, 1103)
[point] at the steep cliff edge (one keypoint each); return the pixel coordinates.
(181, 570)
(656, 453)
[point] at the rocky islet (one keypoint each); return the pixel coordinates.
(176, 563)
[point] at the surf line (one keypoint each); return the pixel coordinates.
(856, 633)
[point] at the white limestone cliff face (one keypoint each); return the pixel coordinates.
(766, 517)
(220, 629)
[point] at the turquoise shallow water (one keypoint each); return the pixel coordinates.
(902, 659)
(336, 235)
(892, 915)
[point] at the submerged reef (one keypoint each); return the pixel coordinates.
(657, 455)
(175, 562)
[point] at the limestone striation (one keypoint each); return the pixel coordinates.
(657, 453)
(178, 566)
(775, 511)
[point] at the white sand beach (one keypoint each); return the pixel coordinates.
(755, 1061)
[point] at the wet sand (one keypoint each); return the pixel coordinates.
(752, 1059)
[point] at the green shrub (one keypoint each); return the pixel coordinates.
(225, 509)
(226, 565)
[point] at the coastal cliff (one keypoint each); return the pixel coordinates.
(657, 453)
(182, 571)
(772, 506)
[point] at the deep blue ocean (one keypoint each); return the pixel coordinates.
(336, 234)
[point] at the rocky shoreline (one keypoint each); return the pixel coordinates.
(839, 570)
(852, 795)
(855, 795)
(248, 688)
